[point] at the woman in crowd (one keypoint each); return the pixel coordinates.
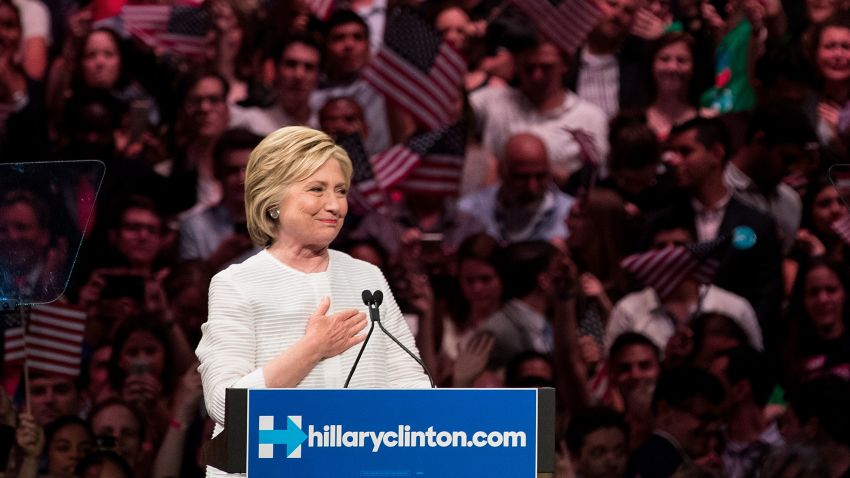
(816, 338)
(235, 50)
(142, 374)
(479, 293)
(672, 83)
(66, 441)
(97, 60)
(832, 63)
(822, 209)
(23, 135)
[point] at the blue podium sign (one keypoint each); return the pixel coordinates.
(392, 433)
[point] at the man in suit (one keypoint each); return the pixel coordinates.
(698, 151)
(777, 136)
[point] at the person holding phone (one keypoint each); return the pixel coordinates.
(292, 315)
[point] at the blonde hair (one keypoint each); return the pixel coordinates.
(284, 157)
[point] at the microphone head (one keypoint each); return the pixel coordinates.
(367, 297)
(378, 296)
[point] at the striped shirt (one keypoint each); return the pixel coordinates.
(259, 308)
(599, 81)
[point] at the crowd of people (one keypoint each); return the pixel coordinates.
(674, 124)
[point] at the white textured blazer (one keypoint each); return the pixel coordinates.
(259, 308)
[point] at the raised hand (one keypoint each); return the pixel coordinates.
(142, 390)
(29, 436)
(647, 25)
(810, 244)
(472, 360)
(332, 335)
(188, 395)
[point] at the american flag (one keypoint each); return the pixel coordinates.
(402, 161)
(566, 23)
(181, 29)
(366, 194)
(842, 227)
(54, 339)
(664, 269)
(13, 347)
(417, 70)
(321, 8)
(440, 169)
(12, 325)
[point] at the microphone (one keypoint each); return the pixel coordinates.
(368, 299)
(372, 301)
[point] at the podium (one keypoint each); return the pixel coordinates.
(386, 433)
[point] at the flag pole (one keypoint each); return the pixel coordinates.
(494, 14)
(27, 400)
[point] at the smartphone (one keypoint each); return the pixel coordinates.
(140, 111)
(431, 237)
(140, 367)
(119, 286)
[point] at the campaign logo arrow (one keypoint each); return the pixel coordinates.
(292, 437)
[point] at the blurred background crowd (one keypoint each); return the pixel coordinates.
(628, 200)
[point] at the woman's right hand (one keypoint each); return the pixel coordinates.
(332, 335)
(142, 390)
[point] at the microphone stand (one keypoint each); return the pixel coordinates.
(372, 301)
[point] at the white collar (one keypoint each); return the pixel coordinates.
(700, 208)
(594, 60)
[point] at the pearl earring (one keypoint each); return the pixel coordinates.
(274, 213)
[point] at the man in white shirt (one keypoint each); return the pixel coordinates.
(346, 54)
(374, 13)
(540, 104)
(297, 78)
(659, 317)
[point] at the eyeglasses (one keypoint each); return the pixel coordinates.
(136, 228)
(197, 101)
